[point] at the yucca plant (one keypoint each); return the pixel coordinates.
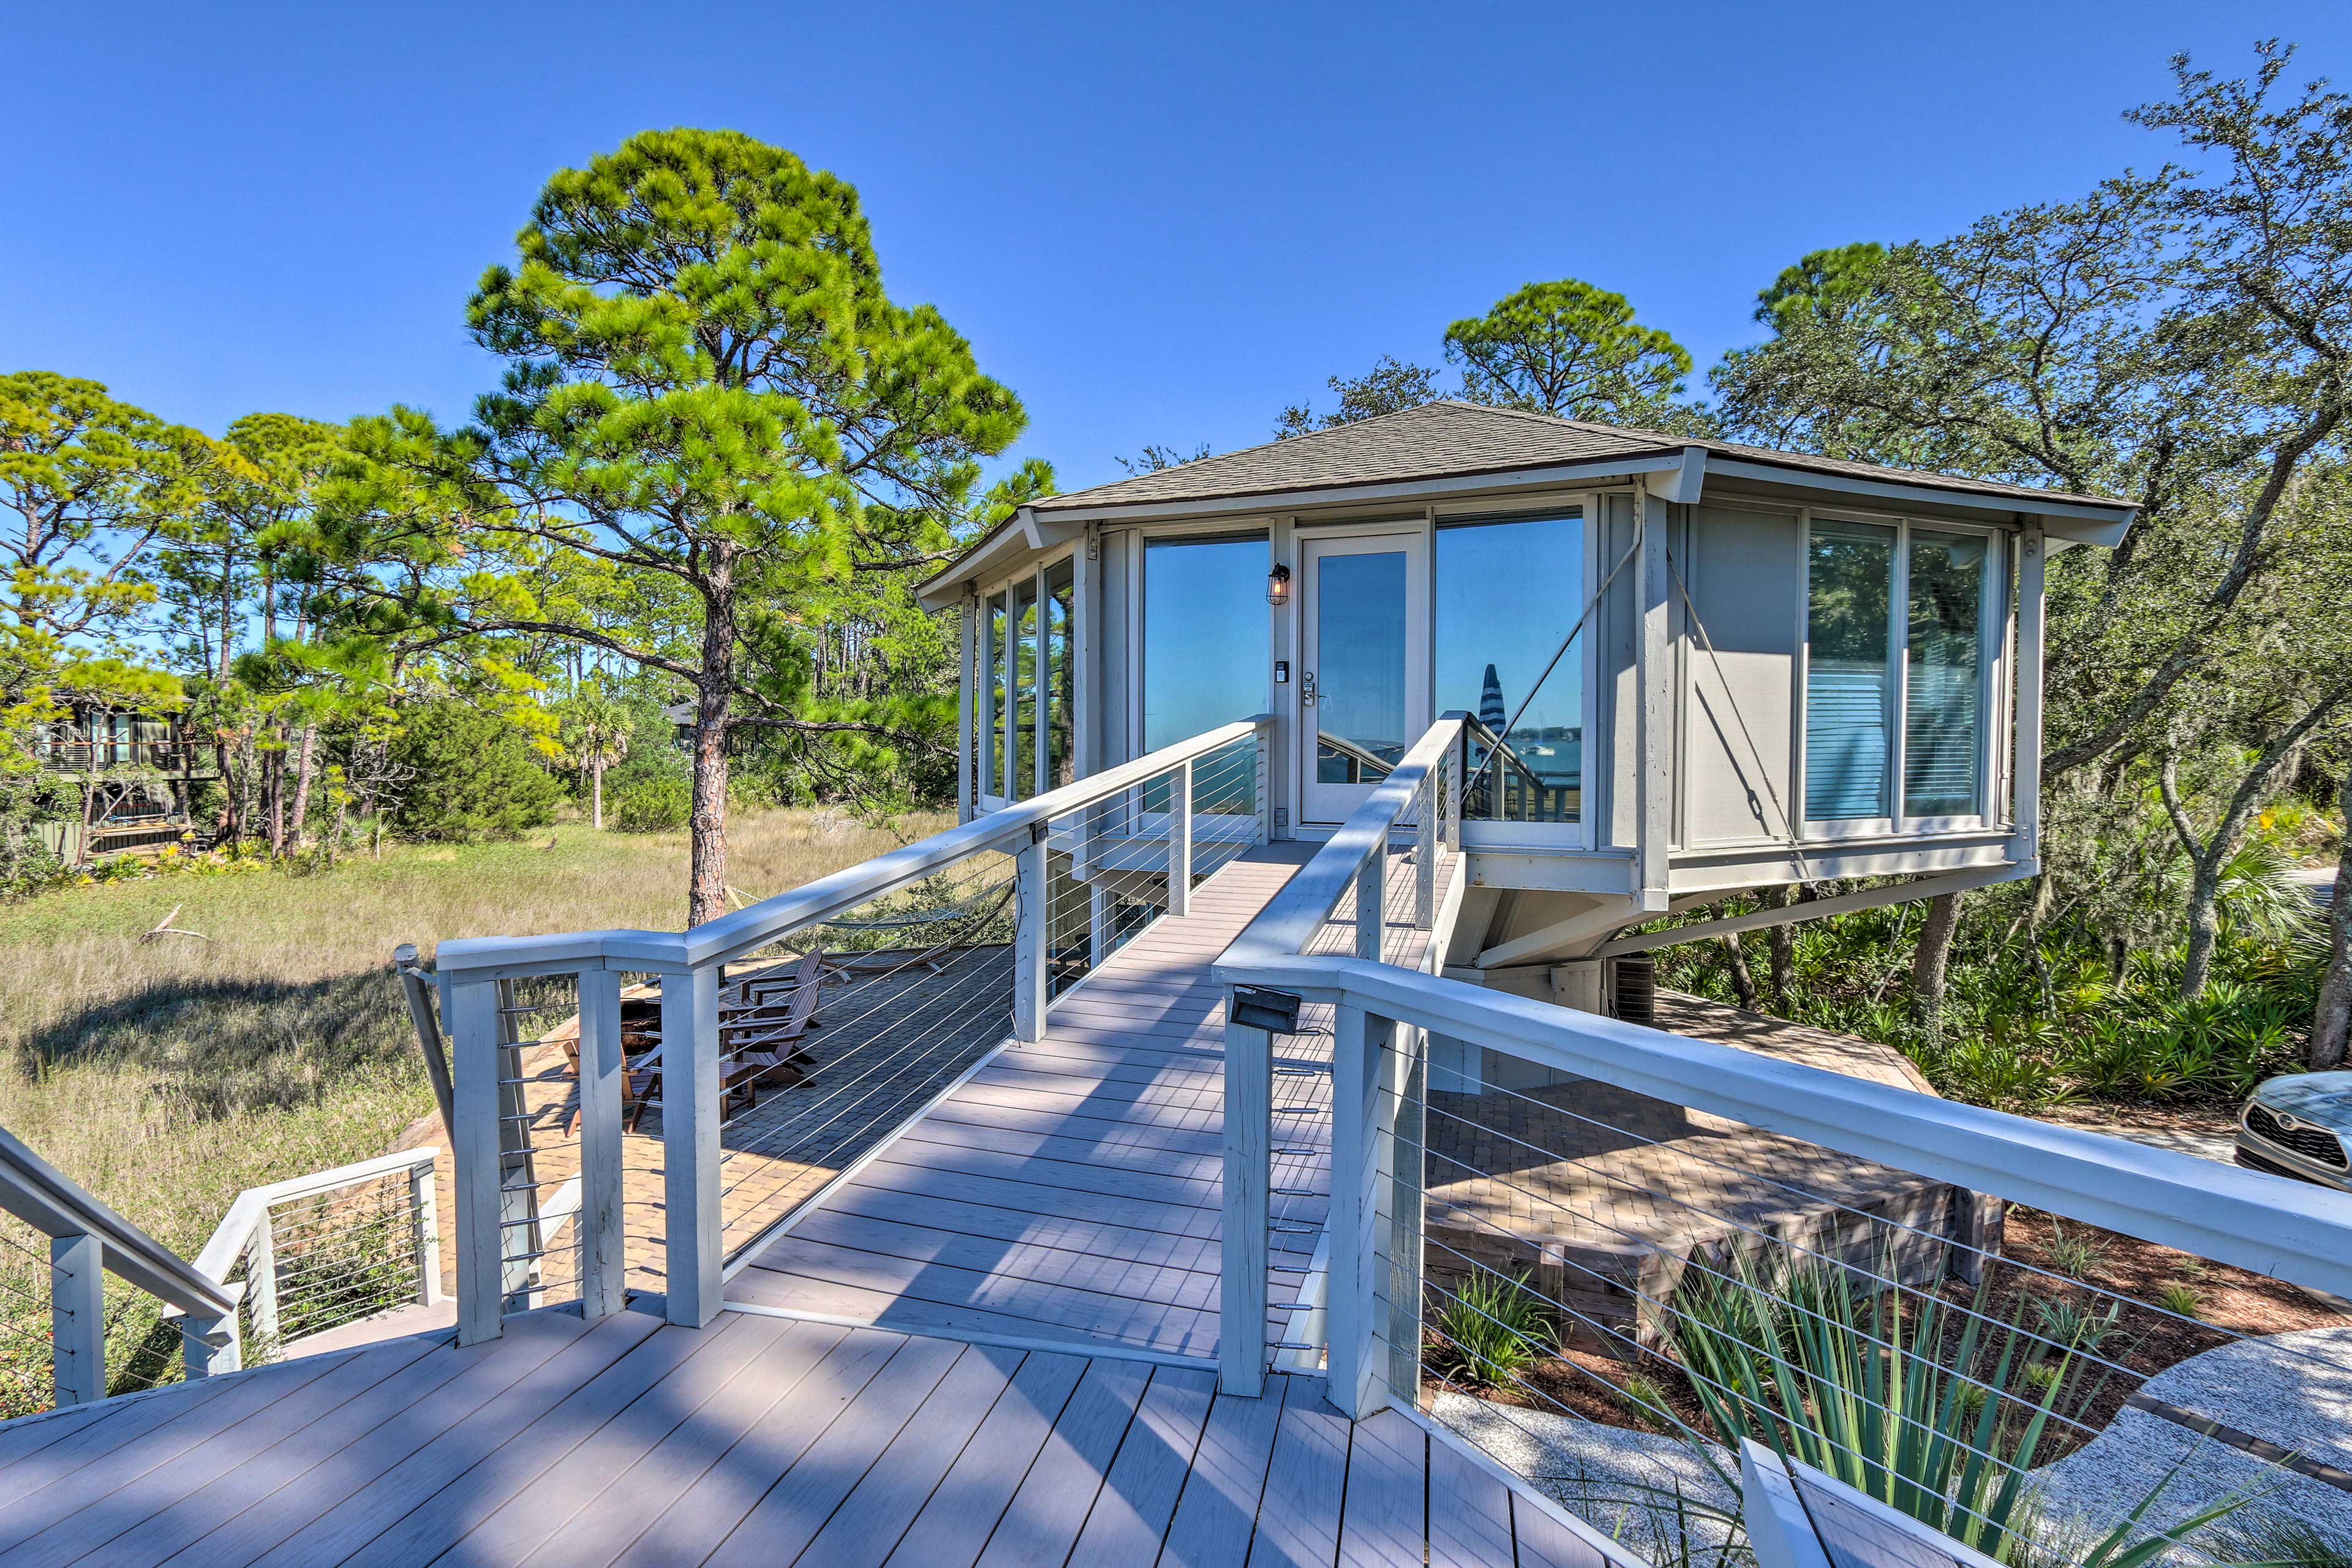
(1856, 1388)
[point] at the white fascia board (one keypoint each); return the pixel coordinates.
(2084, 521)
(1682, 483)
(1021, 535)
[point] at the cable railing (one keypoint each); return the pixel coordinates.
(324, 1251)
(1506, 784)
(1700, 1294)
(62, 1339)
(690, 1095)
(1281, 1124)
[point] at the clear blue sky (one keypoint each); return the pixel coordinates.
(1156, 226)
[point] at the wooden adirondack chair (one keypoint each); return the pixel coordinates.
(758, 1042)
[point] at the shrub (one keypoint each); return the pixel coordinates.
(1491, 1329)
(473, 776)
(2179, 1299)
(651, 805)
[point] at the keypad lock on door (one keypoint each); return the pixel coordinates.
(1307, 693)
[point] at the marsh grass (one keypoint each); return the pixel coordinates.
(167, 1076)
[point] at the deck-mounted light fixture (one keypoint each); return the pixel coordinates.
(1277, 585)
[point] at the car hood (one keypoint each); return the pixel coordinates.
(2324, 1097)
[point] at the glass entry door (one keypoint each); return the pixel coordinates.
(1363, 687)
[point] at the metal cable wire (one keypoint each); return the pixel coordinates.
(2020, 1266)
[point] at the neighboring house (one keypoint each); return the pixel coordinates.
(138, 775)
(1789, 668)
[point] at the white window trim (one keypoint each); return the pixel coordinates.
(1582, 835)
(1993, 617)
(995, 793)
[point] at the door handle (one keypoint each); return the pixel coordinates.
(1307, 690)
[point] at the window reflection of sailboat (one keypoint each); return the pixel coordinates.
(1537, 774)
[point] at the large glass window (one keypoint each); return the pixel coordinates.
(1508, 590)
(1943, 702)
(992, 654)
(1204, 635)
(1024, 691)
(1061, 679)
(1848, 631)
(1857, 646)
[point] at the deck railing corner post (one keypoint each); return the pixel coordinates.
(211, 1347)
(1262, 757)
(1032, 940)
(425, 1215)
(1246, 1203)
(690, 1113)
(474, 1069)
(598, 1229)
(77, 1318)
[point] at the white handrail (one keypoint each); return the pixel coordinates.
(478, 1007)
(2290, 1231)
(730, 936)
(34, 1192)
(251, 1206)
(1295, 915)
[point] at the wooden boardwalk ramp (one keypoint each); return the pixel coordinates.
(1068, 1195)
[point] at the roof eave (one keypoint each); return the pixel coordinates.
(2071, 518)
(994, 554)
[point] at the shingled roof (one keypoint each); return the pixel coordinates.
(1449, 440)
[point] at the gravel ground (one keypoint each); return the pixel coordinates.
(2300, 1402)
(1606, 1475)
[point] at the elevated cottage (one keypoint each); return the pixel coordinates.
(1698, 666)
(1102, 1180)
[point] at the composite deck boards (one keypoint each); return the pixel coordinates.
(936, 1366)
(769, 1441)
(1107, 1131)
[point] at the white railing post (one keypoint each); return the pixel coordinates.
(1424, 856)
(1406, 1100)
(1457, 798)
(1779, 1528)
(1372, 894)
(424, 1213)
(690, 1113)
(474, 1069)
(261, 1283)
(1363, 1116)
(77, 1318)
(604, 1259)
(1179, 840)
(210, 1347)
(1248, 1153)
(1262, 780)
(1031, 938)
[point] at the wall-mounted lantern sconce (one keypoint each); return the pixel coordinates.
(1277, 585)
